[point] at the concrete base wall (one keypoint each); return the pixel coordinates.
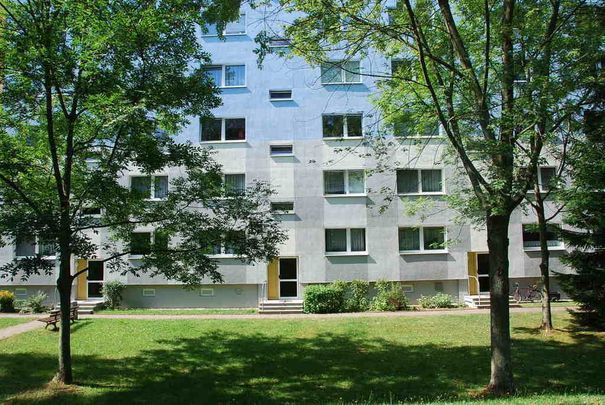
(216, 296)
(26, 291)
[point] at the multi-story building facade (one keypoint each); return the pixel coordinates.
(285, 124)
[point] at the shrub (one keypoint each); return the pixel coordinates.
(324, 299)
(357, 296)
(439, 300)
(112, 292)
(7, 301)
(389, 297)
(34, 304)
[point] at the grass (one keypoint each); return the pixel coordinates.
(145, 311)
(552, 304)
(336, 360)
(6, 322)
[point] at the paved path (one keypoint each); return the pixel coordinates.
(322, 316)
(18, 329)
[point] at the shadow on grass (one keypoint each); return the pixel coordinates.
(219, 367)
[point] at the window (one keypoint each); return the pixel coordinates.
(91, 211)
(152, 187)
(140, 243)
(280, 95)
(148, 292)
(340, 72)
(223, 129)
(344, 241)
(423, 181)
(227, 75)
(281, 150)
(342, 182)
(531, 236)
(407, 128)
(407, 288)
(227, 246)
(231, 28)
(339, 125)
(546, 175)
(422, 239)
(20, 292)
(285, 207)
(235, 183)
(34, 246)
(279, 45)
(207, 292)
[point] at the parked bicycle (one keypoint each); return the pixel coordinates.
(528, 294)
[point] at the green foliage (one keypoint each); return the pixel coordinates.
(389, 297)
(585, 212)
(324, 299)
(439, 300)
(34, 304)
(356, 299)
(7, 301)
(112, 293)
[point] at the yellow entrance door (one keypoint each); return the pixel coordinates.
(272, 280)
(473, 281)
(82, 290)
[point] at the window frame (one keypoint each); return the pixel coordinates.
(422, 250)
(224, 33)
(559, 246)
(224, 130)
(37, 244)
(281, 91)
(272, 145)
(419, 178)
(284, 212)
(224, 176)
(540, 182)
(152, 178)
(346, 184)
(343, 73)
(223, 67)
(348, 252)
(345, 125)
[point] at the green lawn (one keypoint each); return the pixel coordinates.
(144, 311)
(6, 322)
(334, 360)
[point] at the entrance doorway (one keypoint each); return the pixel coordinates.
(483, 272)
(95, 279)
(288, 277)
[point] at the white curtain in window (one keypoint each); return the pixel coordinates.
(358, 240)
(356, 182)
(409, 239)
(336, 240)
(334, 182)
(431, 181)
(235, 75)
(160, 187)
(235, 182)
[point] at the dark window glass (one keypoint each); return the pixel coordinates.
(141, 184)
(277, 150)
(280, 94)
(282, 206)
(333, 126)
(547, 174)
(431, 181)
(409, 239)
(26, 247)
(95, 270)
(334, 182)
(407, 181)
(140, 243)
(354, 125)
(434, 238)
(336, 240)
(287, 269)
(211, 129)
(358, 240)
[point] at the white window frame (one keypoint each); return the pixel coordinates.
(288, 212)
(21, 291)
(152, 186)
(345, 126)
(348, 252)
(225, 34)
(224, 130)
(422, 250)
(148, 292)
(343, 73)
(223, 67)
(419, 177)
(206, 292)
(346, 181)
(223, 254)
(151, 242)
(36, 251)
(559, 246)
(540, 177)
(235, 174)
(281, 154)
(281, 99)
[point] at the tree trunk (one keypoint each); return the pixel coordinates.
(64, 374)
(544, 268)
(501, 381)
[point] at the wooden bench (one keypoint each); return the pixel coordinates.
(55, 317)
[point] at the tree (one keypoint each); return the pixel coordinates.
(92, 90)
(463, 65)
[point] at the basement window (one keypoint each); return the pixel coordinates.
(282, 207)
(281, 150)
(148, 292)
(207, 292)
(280, 95)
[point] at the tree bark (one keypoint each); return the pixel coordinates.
(501, 380)
(544, 269)
(64, 374)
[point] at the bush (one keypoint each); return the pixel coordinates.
(324, 298)
(112, 292)
(7, 301)
(439, 300)
(34, 304)
(357, 296)
(390, 297)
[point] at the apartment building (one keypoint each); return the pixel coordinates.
(287, 123)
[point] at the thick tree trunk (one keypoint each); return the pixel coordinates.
(501, 381)
(64, 374)
(544, 269)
